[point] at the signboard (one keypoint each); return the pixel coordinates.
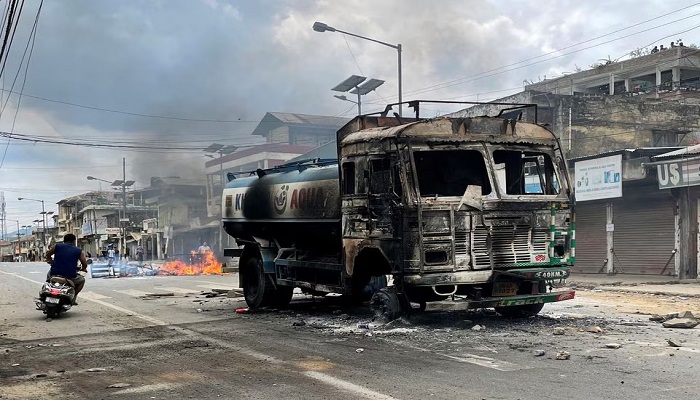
(599, 178)
(678, 174)
(113, 231)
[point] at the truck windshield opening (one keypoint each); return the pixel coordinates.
(525, 173)
(449, 172)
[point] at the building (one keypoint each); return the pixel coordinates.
(671, 74)
(182, 221)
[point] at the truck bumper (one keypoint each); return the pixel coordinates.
(520, 300)
(472, 277)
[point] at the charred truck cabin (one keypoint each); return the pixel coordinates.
(466, 209)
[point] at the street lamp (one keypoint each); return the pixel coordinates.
(352, 84)
(43, 220)
(321, 27)
(221, 150)
(123, 183)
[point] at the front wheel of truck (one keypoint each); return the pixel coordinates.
(386, 304)
(257, 287)
(523, 311)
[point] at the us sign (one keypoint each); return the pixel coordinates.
(678, 174)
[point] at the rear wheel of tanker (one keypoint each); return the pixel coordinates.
(257, 288)
(524, 311)
(386, 304)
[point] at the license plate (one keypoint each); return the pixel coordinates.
(504, 289)
(53, 300)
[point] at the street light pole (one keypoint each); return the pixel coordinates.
(123, 251)
(321, 27)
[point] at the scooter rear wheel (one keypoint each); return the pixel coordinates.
(52, 312)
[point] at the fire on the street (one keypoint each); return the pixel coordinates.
(201, 264)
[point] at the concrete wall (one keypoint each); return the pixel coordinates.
(606, 123)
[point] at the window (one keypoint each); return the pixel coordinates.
(380, 180)
(521, 172)
(384, 178)
(450, 172)
(349, 178)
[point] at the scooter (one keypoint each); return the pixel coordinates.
(56, 296)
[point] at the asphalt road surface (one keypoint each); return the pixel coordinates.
(122, 342)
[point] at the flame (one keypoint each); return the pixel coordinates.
(205, 264)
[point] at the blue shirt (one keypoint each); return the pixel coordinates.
(65, 260)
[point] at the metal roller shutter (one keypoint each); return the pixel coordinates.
(591, 242)
(644, 237)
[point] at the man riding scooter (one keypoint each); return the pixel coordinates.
(65, 260)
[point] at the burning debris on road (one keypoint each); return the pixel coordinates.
(197, 264)
(200, 264)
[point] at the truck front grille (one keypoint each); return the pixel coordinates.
(510, 245)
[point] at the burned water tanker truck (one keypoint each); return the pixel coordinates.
(477, 210)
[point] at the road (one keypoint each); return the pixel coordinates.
(190, 346)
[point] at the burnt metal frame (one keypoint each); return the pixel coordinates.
(415, 104)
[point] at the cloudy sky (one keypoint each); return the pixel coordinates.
(158, 73)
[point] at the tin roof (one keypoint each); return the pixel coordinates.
(690, 150)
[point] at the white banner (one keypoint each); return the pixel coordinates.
(599, 178)
(113, 231)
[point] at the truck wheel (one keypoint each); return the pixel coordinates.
(524, 311)
(257, 288)
(385, 304)
(283, 296)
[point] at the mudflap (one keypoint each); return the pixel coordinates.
(519, 300)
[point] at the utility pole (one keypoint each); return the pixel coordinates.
(123, 252)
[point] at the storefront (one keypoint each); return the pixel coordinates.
(624, 223)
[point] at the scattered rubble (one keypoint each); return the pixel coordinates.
(595, 329)
(682, 323)
(119, 385)
(477, 327)
(300, 322)
(166, 294)
(562, 355)
(558, 331)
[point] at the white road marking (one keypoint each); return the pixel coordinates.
(93, 295)
(487, 362)
(347, 386)
(321, 377)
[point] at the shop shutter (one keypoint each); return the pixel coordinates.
(644, 237)
(591, 247)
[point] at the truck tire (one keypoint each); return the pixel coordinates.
(524, 311)
(386, 305)
(257, 287)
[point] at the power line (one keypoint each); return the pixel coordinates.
(32, 40)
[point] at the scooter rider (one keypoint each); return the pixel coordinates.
(65, 259)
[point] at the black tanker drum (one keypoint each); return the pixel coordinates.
(297, 207)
